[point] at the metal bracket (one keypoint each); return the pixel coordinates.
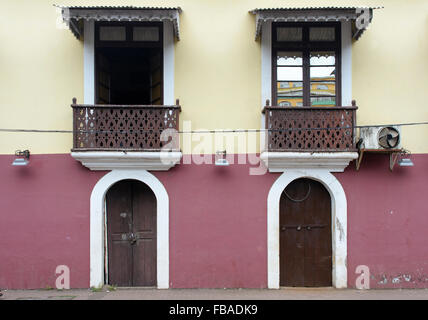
(393, 156)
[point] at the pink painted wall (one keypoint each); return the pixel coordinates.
(217, 226)
(217, 223)
(388, 221)
(44, 221)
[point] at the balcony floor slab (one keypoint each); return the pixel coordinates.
(331, 161)
(113, 160)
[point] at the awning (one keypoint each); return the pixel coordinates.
(316, 14)
(74, 16)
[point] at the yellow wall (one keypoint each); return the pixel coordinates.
(217, 68)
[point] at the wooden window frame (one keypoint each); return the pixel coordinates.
(306, 46)
(128, 43)
(129, 28)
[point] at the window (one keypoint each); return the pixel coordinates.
(306, 64)
(129, 63)
(145, 34)
(112, 33)
(128, 32)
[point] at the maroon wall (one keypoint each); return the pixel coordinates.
(44, 221)
(217, 226)
(217, 223)
(388, 221)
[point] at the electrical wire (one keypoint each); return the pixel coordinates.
(209, 131)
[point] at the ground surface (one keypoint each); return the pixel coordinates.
(217, 294)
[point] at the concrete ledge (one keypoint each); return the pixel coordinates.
(331, 161)
(112, 160)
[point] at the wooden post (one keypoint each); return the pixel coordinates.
(267, 102)
(74, 100)
(177, 102)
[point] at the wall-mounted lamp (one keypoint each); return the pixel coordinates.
(405, 162)
(221, 158)
(22, 158)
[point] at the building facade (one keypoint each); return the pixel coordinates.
(215, 144)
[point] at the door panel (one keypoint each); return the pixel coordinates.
(103, 78)
(119, 220)
(305, 235)
(156, 79)
(131, 225)
(145, 229)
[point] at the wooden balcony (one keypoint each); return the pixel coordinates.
(124, 127)
(310, 129)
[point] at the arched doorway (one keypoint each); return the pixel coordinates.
(305, 235)
(98, 232)
(338, 223)
(131, 234)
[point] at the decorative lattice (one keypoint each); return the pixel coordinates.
(310, 129)
(134, 128)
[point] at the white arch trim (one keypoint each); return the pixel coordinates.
(97, 224)
(338, 216)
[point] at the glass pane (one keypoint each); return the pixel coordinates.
(324, 88)
(145, 34)
(322, 34)
(322, 58)
(323, 73)
(290, 88)
(289, 34)
(289, 73)
(112, 33)
(290, 101)
(323, 101)
(283, 85)
(289, 58)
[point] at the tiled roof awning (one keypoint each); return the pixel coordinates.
(74, 16)
(360, 16)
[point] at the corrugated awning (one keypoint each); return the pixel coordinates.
(316, 14)
(74, 16)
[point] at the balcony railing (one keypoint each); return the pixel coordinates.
(310, 129)
(124, 127)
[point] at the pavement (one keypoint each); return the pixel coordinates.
(216, 294)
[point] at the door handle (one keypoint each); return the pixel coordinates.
(308, 227)
(284, 228)
(133, 238)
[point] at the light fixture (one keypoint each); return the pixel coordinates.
(23, 158)
(405, 162)
(221, 158)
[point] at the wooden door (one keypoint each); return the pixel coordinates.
(103, 79)
(305, 235)
(156, 78)
(131, 234)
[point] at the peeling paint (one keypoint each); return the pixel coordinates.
(340, 228)
(384, 280)
(400, 279)
(396, 280)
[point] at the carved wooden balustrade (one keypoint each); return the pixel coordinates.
(125, 127)
(310, 129)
